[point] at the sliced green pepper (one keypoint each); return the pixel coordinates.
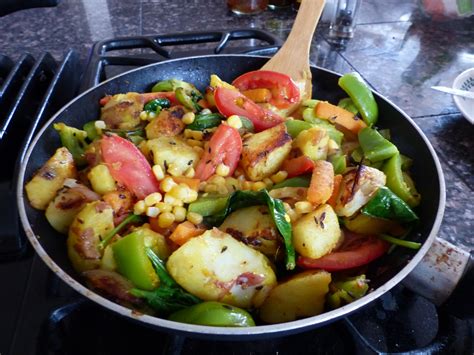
(74, 140)
(385, 204)
(208, 205)
(400, 183)
(339, 163)
(361, 95)
(310, 103)
(348, 105)
(91, 130)
(297, 181)
(214, 314)
(133, 263)
(247, 125)
(187, 100)
(347, 290)
(202, 122)
(375, 146)
(295, 127)
(131, 218)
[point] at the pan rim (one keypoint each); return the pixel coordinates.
(231, 332)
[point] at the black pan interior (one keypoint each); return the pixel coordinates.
(197, 71)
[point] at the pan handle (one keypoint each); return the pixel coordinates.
(444, 268)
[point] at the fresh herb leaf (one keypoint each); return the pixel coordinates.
(241, 199)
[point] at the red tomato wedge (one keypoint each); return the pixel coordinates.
(128, 165)
(231, 102)
(225, 147)
(283, 88)
(298, 166)
(356, 250)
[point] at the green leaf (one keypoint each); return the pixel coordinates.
(241, 199)
(385, 204)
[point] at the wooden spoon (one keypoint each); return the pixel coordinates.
(293, 57)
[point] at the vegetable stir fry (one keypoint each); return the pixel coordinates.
(232, 206)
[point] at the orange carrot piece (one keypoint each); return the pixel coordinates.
(192, 183)
(339, 116)
(185, 231)
(203, 103)
(260, 95)
(322, 182)
(335, 191)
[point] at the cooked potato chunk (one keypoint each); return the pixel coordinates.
(302, 295)
(216, 267)
(101, 179)
(173, 151)
(358, 186)
(50, 178)
(67, 203)
(264, 152)
(254, 227)
(317, 233)
(168, 123)
(313, 143)
(87, 229)
(122, 111)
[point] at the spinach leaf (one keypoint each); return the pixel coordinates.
(169, 297)
(385, 204)
(241, 199)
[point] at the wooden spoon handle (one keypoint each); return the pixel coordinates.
(293, 56)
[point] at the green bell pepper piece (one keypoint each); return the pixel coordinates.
(375, 146)
(247, 125)
(214, 314)
(74, 140)
(295, 127)
(385, 204)
(202, 122)
(186, 100)
(208, 205)
(297, 181)
(133, 262)
(339, 163)
(310, 103)
(91, 131)
(347, 290)
(400, 184)
(361, 95)
(348, 105)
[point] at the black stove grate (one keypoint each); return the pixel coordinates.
(42, 315)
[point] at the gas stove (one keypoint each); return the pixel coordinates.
(42, 315)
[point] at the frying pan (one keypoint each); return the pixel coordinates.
(384, 274)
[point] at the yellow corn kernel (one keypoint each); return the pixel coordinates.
(188, 133)
(259, 185)
(268, 182)
(235, 122)
(179, 213)
(279, 176)
(167, 184)
(195, 143)
(99, 125)
(158, 172)
(206, 111)
(151, 115)
(247, 185)
(287, 218)
(303, 207)
(179, 191)
(232, 184)
(197, 135)
(217, 180)
(199, 150)
(191, 196)
(210, 188)
(153, 199)
(139, 207)
(152, 212)
(222, 170)
(144, 115)
(194, 218)
(189, 173)
(173, 201)
(174, 170)
(222, 190)
(188, 117)
(166, 219)
(164, 207)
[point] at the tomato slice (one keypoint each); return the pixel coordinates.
(298, 166)
(225, 147)
(283, 88)
(356, 250)
(128, 165)
(231, 102)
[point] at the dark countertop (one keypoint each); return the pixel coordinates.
(399, 51)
